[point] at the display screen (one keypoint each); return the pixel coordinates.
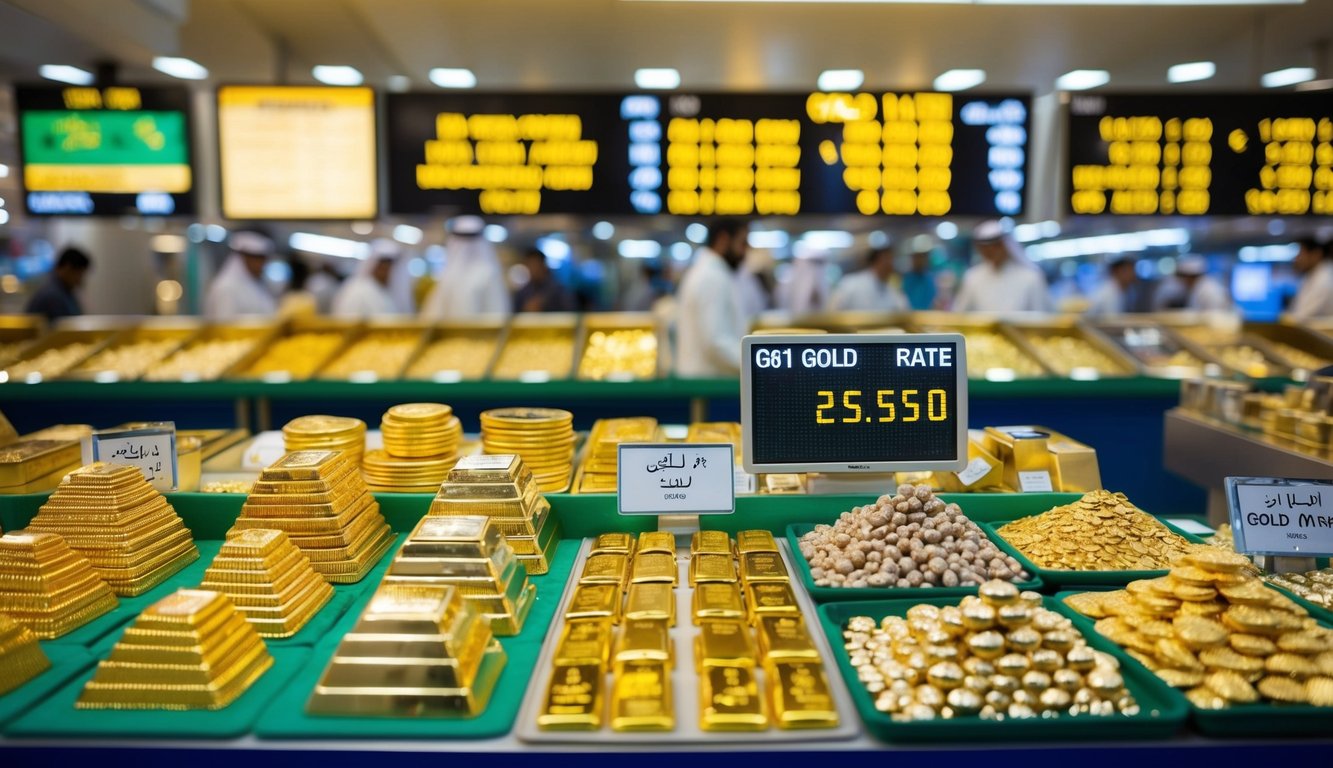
(927, 154)
(297, 152)
(1198, 154)
(849, 403)
(105, 151)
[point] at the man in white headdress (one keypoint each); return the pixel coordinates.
(471, 282)
(1004, 280)
(366, 293)
(869, 289)
(238, 290)
(1202, 292)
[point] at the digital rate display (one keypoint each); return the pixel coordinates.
(854, 403)
(105, 151)
(1197, 154)
(927, 154)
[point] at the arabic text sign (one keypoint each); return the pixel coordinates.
(676, 478)
(1272, 516)
(152, 449)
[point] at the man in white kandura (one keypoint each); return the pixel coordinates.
(869, 289)
(1314, 263)
(1112, 296)
(238, 290)
(366, 293)
(1004, 280)
(471, 282)
(710, 321)
(1202, 292)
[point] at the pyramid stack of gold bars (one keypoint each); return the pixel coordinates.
(503, 488)
(417, 649)
(421, 442)
(21, 658)
(544, 437)
(603, 450)
(48, 587)
(190, 650)
(326, 433)
(127, 530)
(468, 552)
(320, 501)
(269, 580)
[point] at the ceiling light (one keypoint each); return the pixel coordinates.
(946, 230)
(363, 227)
(657, 78)
(1192, 72)
(639, 249)
(557, 251)
(827, 239)
(1082, 79)
(63, 73)
(841, 79)
(1289, 76)
(495, 233)
(603, 230)
(328, 246)
(766, 239)
(185, 69)
(407, 234)
(960, 79)
(337, 74)
(696, 233)
(453, 77)
(681, 251)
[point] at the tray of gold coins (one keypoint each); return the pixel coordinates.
(16, 333)
(303, 348)
(56, 353)
(1313, 590)
(212, 351)
(136, 351)
(1073, 350)
(1243, 353)
(601, 452)
(707, 644)
(1248, 659)
(537, 348)
(618, 346)
(456, 352)
(379, 352)
(1301, 349)
(994, 352)
(1159, 351)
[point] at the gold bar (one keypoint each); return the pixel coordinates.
(641, 698)
(594, 601)
(644, 640)
(755, 541)
(784, 638)
(651, 601)
(605, 569)
(654, 568)
(584, 642)
(724, 643)
(729, 700)
(799, 695)
(763, 566)
(712, 568)
(771, 598)
(717, 601)
(573, 699)
(303, 465)
(710, 542)
(663, 542)
(613, 544)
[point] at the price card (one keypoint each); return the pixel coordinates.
(974, 471)
(1281, 517)
(151, 448)
(1035, 482)
(675, 479)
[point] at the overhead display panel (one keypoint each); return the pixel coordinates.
(923, 154)
(297, 152)
(1200, 154)
(105, 151)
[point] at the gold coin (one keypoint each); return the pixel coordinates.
(1325, 663)
(1231, 686)
(420, 411)
(323, 426)
(1194, 593)
(1319, 691)
(1290, 665)
(1157, 629)
(525, 416)
(1252, 645)
(1180, 678)
(1305, 642)
(1197, 632)
(1282, 689)
(1225, 658)
(1145, 659)
(1190, 574)
(1087, 603)
(1209, 610)
(1214, 560)
(1251, 619)
(1204, 698)
(1174, 653)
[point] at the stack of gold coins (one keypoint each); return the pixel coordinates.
(603, 452)
(502, 488)
(470, 553)
(418, 650)
(326, 433)
(48, 587)
(111, 515)
(421, 443)
(269, 580)
(1102, 531)
(190, 650)
(543, 437)
(21, 658)
(319, 499)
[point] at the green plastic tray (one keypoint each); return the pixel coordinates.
(286, 717)
(1319, 612)
(66, 662)
(1242, 720)
(840, 594)
(1161, 716)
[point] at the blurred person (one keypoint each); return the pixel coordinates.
(322, 283)
(645, 289)
(471, 282)
(807, 288)
(1314, 263)
(1004, 280)
(366, 293)
(868, 289)
(754, 280)
(1199, 291)
(1112, 296)
(542, 292)
(55, 297)
(710, 320)
(238, 290)
(296, 299)
(918, 283)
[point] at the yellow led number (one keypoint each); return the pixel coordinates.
(937, 406)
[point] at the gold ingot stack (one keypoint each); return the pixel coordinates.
(269, 580)
(111, 515)
(470, 553)
(21, 658)
(421, 442)
(502, 488)
(320, 501)
(603, 452)
(326, 433)
(36, 463)
(544, 437)
(417, 650)
(48, 587)
(190, 650)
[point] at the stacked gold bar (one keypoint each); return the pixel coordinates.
(417, 650)
(48, 587)
(469, 553)
(544, 437)
(21, 658)
(35, 464)
(502, 488)
(127, 530)
(421, 442)
(190, 650)
(603, 451)
(269, 580)
(326, 433)
(320, 501)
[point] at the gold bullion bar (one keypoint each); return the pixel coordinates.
(799, 695)
(710, 542)
(643, 640)
(785, 638)
(605, 569)
(717, 601)
(729, 700)
(584, 641)
(641, 698)
(712, 568)
(573, 699)
(495, 468)
(613, 544)
(591, 601)
(654, 568)
(651, 601)
(755, 541)
(763, 566)
(771, 598)
(657, 541)
(724, 643)
(303, 465)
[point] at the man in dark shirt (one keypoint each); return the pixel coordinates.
(55, 297)
(542, 292)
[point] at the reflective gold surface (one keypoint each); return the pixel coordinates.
(269, 580)
(1102, 531)
(48, 587)
(21, 658)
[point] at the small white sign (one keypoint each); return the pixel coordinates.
(745, 483)
(151, 448)
(1035, 482)
(1273, 516)
(974, 471)
(676, 479)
